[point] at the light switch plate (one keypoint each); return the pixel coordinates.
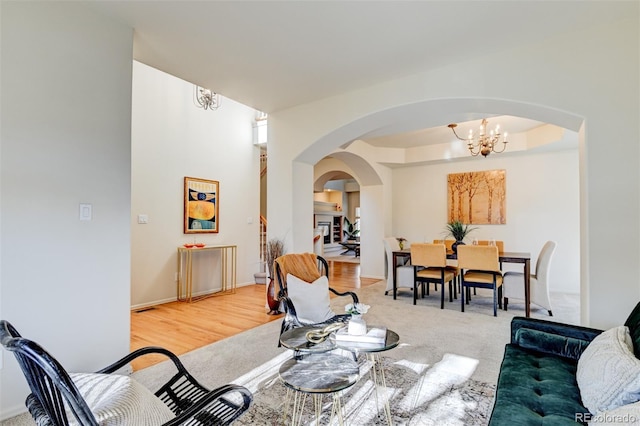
(85, 212)
(143, 218)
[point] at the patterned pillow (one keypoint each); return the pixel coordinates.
(311, 300)
(608, 372)
(120, 400)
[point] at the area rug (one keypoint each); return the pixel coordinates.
(350, 258)
(418, 394)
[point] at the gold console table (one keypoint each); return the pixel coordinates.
(185, 266)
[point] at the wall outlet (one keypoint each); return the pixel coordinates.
(143, 219)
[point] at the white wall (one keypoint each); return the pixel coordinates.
(65, 140)
(542, 204)
(590, 76)
(171, 139)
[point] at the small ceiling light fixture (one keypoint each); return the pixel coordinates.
(484, 144)
(205, 98)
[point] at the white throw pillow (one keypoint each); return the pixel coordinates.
(311, 300)
(608, 372)
(120, 400)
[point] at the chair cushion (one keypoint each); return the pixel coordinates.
(435, 274)
(120, 400)
(481, 277)
(608, 372)
(311, 300)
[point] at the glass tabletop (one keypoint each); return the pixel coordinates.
(319, 373)
(296, 339)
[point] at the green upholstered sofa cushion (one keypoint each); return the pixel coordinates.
(550, 343)
(633, 322)
(536, 388)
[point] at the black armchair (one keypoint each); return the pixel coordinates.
(56, 397)
(307, 266)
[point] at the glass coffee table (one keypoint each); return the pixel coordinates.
(317, 374)
(296, 340)
(372, 351)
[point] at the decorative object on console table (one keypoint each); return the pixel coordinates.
(401, 241)
(275, 249)
(201, 206)
(458, 231)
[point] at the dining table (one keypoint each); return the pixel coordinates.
(504, 257)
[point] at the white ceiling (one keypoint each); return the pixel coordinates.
(272, 55)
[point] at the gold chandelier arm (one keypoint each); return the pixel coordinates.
(504, 146)
(453, 126)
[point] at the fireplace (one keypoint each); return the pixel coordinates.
(326, 231)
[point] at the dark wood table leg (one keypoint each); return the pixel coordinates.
(527, 288)
(393, 266)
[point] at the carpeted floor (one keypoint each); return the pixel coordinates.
(453, 358)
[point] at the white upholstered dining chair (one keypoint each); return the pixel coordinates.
(539, 284)
(404, 272)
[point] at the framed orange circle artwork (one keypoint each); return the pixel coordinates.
(201, 206)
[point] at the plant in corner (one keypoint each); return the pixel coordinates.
(458, 231)
(275, 249)
(350, 230)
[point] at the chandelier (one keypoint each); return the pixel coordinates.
(205, 98)
(485, 143)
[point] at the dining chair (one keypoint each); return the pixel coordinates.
(499, 244)
(430, 266)
(404, 271)
(480, 267)
(451, 265)
(539, 280)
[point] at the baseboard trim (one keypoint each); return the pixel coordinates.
(140, 306)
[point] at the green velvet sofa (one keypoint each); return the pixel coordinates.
(537, 381)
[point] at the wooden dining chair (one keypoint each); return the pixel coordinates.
(430, 266)
(453, 267)
(480, 267)
(499, 244)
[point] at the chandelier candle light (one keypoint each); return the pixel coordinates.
(485, 144)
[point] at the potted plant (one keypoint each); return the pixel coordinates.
(458, 231)
(350, 230)
(275, 249)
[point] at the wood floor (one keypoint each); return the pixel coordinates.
(182, 327)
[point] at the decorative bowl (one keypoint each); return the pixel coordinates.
(189, 245)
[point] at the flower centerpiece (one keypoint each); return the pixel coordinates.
(357, 325)
(401, 241)
(356, 309)
(458, 231)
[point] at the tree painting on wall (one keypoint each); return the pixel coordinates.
(477, 197)
(201, 205)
